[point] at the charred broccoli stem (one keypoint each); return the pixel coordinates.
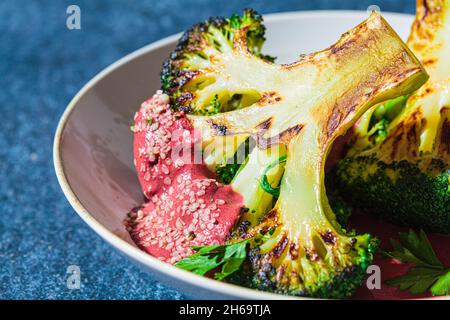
(296, 245)
(399, 166)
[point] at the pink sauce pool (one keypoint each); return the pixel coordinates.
(187, 206)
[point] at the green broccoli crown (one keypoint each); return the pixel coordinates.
(196, 53)
(400, 192)
(293, 113)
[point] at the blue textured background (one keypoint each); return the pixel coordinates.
(42, 66)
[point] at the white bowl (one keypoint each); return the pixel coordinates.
(93, 142)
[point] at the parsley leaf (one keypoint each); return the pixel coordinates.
(417, 280)
(442, 286)
(428, 274)
(229, 257)
(416, 249)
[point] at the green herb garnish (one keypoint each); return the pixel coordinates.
(428, 274)
(226, 172)
(264, 182)
(229, 257)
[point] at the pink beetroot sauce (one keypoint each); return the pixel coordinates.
(187, 206)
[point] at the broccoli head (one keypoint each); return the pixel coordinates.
(295, 112)
(399, 164)
(192, 77)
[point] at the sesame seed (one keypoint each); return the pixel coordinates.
(179, 204)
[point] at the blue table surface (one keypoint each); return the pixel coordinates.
(42, 66)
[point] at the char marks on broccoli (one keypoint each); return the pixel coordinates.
(399, 166)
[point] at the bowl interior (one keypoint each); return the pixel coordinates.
(93, 145)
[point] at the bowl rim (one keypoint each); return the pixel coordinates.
(120, 244)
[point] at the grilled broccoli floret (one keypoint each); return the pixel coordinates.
(338, 204)
(295, 244)
(399, 166)
(190, 75)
